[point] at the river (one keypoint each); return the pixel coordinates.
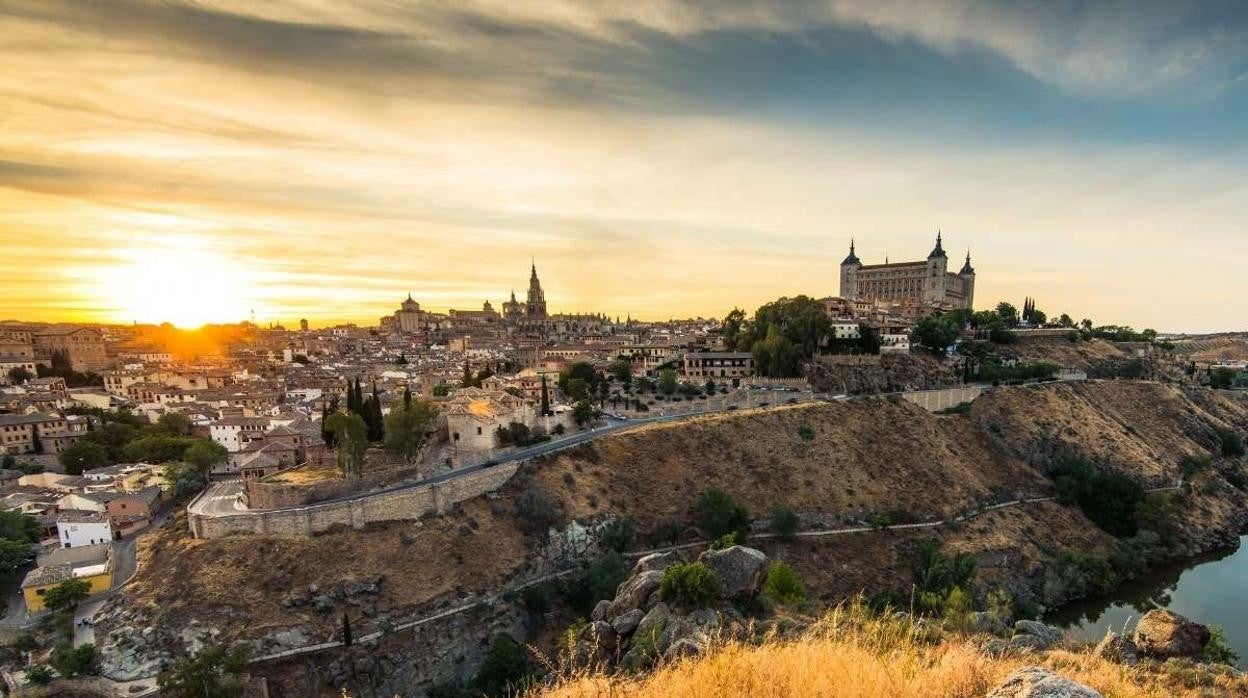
(1209, 589)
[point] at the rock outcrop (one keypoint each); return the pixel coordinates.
(1037, 682)
(740, 570)
(1164, 634)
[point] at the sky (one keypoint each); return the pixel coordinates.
(321, 159)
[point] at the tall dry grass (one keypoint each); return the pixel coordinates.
(851, 654)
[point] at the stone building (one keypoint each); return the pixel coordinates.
(928, 281)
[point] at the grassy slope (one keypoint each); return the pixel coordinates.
(848, 655)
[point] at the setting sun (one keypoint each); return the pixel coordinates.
(180, 280)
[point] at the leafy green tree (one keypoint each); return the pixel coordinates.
(19, 375)
(719, 515)
(67, 594)
(17, 526)
(622, 369)
(205, 453)
(407, 428)
(1008, 314)
(14, 555)
(784, 523)
(577, 389)
(605, 574)
(507, 670)
(733, 325)
(185, 478)
(174, 424)
(75, 661)
(83, 455)
(936, 572)
(783, 586)
(667, 381)
(216, 672)
(582, 413)
(582, 370)
(351, 435)
(934, 333)
(156, 448)
(1231, 442)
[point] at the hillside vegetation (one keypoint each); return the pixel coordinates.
(850, 654)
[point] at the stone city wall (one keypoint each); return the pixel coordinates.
(943, 399)
(404, 504)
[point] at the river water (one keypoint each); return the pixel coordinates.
(1210, 589)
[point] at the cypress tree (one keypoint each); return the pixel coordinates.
(407, 398)
(466, 381)
(347, 637)
(545, 398)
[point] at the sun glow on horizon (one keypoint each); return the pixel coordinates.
(181, 280)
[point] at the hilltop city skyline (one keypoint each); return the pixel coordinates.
(197, 161)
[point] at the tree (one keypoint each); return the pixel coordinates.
(441, 390)
(622, 369)
(14, 555)
(667, 381)
(719, 515)
(934, 333)
(351, 435)
(1008, 314)
(174, 424)
(545, 398)
(582, 413)
(732, 326)
(19, 375)
(347, 637)
(15, 525)
(709, 387)
(213, 673)
(67, 594)
(205, 453)
(407, 428)
(75, 661)
(83, 455)
(784, 523)
(407, 397)
(1065, 320)
(156, 448)
(577, 389)
(507, 669)
(185, 478)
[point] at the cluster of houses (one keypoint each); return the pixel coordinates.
(80, 517)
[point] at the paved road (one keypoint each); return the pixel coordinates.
(222, 499)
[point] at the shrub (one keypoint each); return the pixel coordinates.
(536, 599)
(664, 533)
(1192, 464)
(783, 586)
(605, 575)
(784, 523)
(719, 515)
(806, 433)
(39, 675)
(1232, 442)
(1074, 575)
(1219, 650)
(880, 520)
(692, 584)
(723, 542)
(1109, 500)
(74, 661)
(1158, 513)
(617, 535)
(537, 510)
(507, 670)
(938, 573)
(957, 608)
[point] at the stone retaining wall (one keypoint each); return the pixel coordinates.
(404, 504)
(943, 399)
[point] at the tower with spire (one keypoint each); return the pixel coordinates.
(849, 273)
(937, 267)
(535, 303)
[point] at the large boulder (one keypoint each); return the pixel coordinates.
(1036, 682)
(655, 618)
(633, 592)
(1163, 634)
(740, 570)
(596, 645)
(656, 562)
(1036, 635)
(627, 623)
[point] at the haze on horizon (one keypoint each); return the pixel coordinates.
(194, 161)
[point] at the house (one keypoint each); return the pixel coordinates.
(78, 528)
(92, 564)
(131, 512)
(235, 432)
(473, 416)
(722, 365)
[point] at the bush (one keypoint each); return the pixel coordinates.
(39, 675)
(605, 575)
(937, 573)
(1232, 442)
(1219, 649)
(507, 670)
(783, 586)
(1074, 575)
(1192, 464)
(1109, 500)
(806, 433)
(719, 515)
(536, 599)
(880, 520)
(692, 585)
(75, 661)
(784, 523)
(537, 510)
(724, 542)
(617, 535)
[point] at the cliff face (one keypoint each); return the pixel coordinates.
(836, 464)
(887, 373)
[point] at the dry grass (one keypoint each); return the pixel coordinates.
(849, 654)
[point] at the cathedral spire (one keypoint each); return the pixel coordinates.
(938, 250)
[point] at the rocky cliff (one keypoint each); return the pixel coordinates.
(887, 373)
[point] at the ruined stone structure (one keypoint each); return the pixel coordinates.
(928, 281)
